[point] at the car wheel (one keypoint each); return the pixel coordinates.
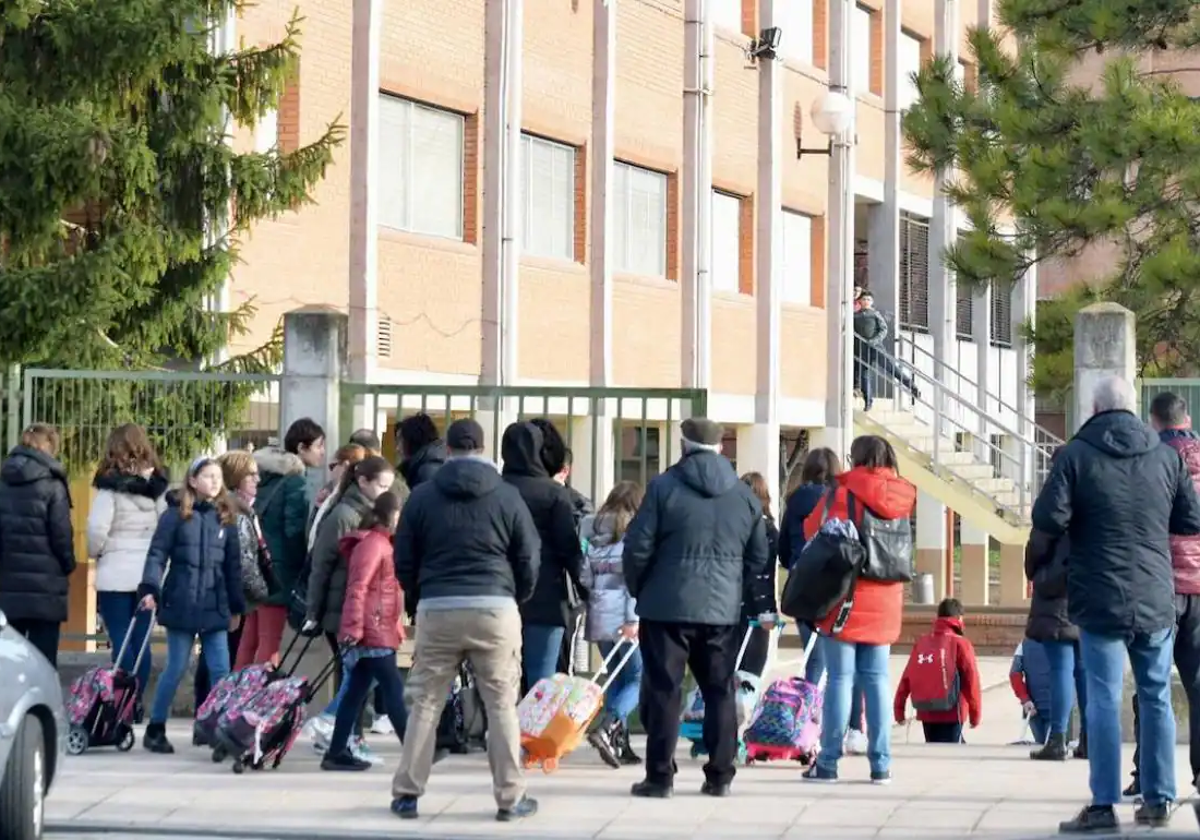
(23, 790)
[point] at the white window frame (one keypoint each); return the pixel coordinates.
(796, 273)
(910, 63)
(547, 237)
(633, 233)
(402, 201)
(860, 47)
(795, 17)
(726, 250)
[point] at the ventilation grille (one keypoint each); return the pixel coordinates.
(1002, 327)
(914, 273)
(383, 344)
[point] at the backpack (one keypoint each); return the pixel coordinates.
(826, 572)
(463, 725)
(933, 678)
(788, 717)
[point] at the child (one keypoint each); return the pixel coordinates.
(942, 679)
(196, 547)
(372, 628)
(612, 618)
(1030, 680)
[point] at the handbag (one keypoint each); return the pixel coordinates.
(826, 572)
(888, 544)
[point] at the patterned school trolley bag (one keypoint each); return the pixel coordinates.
(786, 725)
(556, 713)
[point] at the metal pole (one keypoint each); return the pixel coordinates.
(697, 193)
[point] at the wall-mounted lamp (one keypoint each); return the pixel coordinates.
(831, 113)
(766, 45)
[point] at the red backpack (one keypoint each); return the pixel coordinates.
(933, 678)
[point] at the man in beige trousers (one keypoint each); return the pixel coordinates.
(467, 554)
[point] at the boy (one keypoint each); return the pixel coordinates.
(1030, 680)
(942, 679)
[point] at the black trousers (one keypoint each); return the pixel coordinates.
(710, 651)
(43, 635)
(380, 669)
(943, 733)
(1187, 660)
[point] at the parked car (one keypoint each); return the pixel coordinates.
(33, 735)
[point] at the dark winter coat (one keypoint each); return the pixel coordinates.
(194, 570)
(327, 580)
(870, 326)
(37, 541)
(581, 506)
(1119, 494)
(1185, 551)
(423, 464)
(282, 505)
(466, 534)
(553, 513)
(696, 551)
(791, 530)
(766, 579)
(1046, 567)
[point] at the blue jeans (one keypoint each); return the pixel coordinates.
(540, 646)
(120, 613)
(867, 665)
(1067, 685)
(815, 669)
(622, 696)
(214, 647)
(1104, 663)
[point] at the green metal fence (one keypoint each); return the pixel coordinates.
(638, 421)
(1188, 389)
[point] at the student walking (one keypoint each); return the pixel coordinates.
(942, 679)
(193, 578)
(264, 623)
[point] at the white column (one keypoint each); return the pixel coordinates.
(367, 24)
(222, 40)
(981, 329)
(884, 220)
(974, 562)
(314, 341)
(699, 71)
(943, 227)
(931, 542)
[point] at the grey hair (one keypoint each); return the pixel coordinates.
(690, 446)
(1113, 393)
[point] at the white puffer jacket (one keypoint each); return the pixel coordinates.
(610, 606)
(121, 523)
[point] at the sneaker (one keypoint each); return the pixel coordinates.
(360, 750)
(1157, 815)
(527, 807)
(1093, 818)
(320, 731)
(817, 773)
(344, 761)
(382, 725)
(603, 739)
(155, 739)
(881, 777)
(856, 742)
(405, 807)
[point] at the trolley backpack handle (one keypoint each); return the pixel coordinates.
(282, 670)
(145, 642)
(612, 675)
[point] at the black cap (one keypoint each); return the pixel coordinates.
(465, 435)
(703, 431)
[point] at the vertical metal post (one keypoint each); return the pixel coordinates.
(699, 72)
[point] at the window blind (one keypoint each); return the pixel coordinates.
(421, 168)
(547, 198)
(726, 241)
(1002, 332)
(639, 215)
(914, 273)
(797, 258)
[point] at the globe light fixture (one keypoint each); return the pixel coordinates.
(831, 114)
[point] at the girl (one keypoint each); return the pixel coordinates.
(372, 626)
(201, 593)
(131, 488)
(755, 660)
(345, 458)
(612, 618)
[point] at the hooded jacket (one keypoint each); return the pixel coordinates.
(610, 606)
(878, 607)
(327, 580)
(970, 696)
(1046, 568)
(37, 544)
(423, 464)
(374, 601)
(1185, 551)
(553, 511)
(466, 534)
(282, 507)
(120, 525)
(697, 548)
(1119, 494)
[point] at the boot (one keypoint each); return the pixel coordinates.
(155, 739)
(1055, 749)
(625, 753)
(1081, 747)
(605, 739)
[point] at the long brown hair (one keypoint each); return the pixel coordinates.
(226, 509)
(368, 468)
(758, 486)
(43, 437)
(873, 452)
(621, 506)
(128, 451)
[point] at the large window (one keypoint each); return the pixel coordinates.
(795, 18)
(726, 242)
(547, 198)
(727, 14)
(910, 65)
(266, 133)
(1002, 327)
(860, 70)
(797, 258)
(914, 273)
(421, 168)
(639, 214)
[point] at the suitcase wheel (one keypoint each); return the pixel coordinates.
(127, 740)
(219, 754)
(78, 740)
(549, 765)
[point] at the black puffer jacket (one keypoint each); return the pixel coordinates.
(1119, 494)
(423, 464)
(466, 533)
(1046, 567)
(698, 546)
(37, 541)
(553, 511)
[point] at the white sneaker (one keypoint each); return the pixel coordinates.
(360, 750)
(382, 725)
(319, 731)
(856, 742)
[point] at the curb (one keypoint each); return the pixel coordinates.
(86, 827)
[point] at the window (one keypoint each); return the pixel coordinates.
(639, 214)
(910, 65)
(795, 18)
(860, 44)
(727, 14)
(266, 133)
(914, 273)
(797, 258)
(421, 168)
(547, 198)
(726, 242)
(1002, 314)
(964, 310)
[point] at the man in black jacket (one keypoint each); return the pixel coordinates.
(693, 554)
(1119, 494)
(466, 556)
(546, 615)
(422, 452)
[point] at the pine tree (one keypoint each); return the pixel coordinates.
(114, 172)
(1072, 166)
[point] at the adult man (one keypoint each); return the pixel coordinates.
(466, 555)
(871, 356)
(695, 550)
(422, 452)
(1120, 494)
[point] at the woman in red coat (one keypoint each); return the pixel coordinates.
(861, 649)
(372, 629)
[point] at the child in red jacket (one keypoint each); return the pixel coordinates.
(942, 679)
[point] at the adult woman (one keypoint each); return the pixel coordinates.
(755, 659)
(859, 650)
(131, 489)
(345, 458)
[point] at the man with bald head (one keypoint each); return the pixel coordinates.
(1120, 494)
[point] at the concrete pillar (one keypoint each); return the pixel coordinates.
(931, 542)
(943, 229)
(1105, 345)
(974, 566)
(593, 444)
(315, 361)
(758, 451)
(698, 82)
(981, 329)
(81, 591)
(883, 221)
(363, 339)
(1013, 589)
